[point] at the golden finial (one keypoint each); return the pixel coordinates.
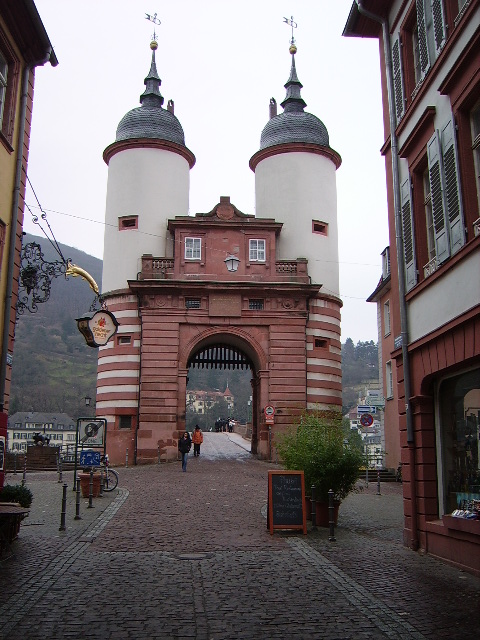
(153, 45)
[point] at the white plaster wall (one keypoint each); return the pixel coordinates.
(446, 298)
(152, 184)
(296, 188)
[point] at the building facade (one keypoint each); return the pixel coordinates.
(24, 45)
(59, 428)
(430, 63)
(224, 288)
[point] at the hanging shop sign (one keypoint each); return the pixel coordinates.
(98, 329)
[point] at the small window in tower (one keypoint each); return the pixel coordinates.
(256, 304)
(123, 340)
(320, 227)
(124, 422)
(192, 303)
(193, 248)
(128, 222)
(321, 343)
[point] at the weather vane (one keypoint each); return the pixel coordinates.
(155, 20)
(293, 24)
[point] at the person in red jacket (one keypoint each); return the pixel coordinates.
(197, 439)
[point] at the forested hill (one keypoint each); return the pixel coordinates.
(359, 371)
(53, 368)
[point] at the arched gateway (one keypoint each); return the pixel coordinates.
(224, 286)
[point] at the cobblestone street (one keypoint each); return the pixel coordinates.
(188, 555)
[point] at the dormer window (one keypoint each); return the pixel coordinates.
(386, 263)
(193, 248)
(256, 250)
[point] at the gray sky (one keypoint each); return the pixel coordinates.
(221, 62)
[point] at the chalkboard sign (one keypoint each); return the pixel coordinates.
(286, 500)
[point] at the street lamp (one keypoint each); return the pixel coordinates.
(231, 263)
(88, 401)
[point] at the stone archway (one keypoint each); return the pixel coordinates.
(225, 350)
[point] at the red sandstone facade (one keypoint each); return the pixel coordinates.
(266, 315)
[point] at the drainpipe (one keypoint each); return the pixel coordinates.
(139, 379)
(49, 56)
(400, 254)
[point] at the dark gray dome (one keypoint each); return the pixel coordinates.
(294, 126)
(150, 122)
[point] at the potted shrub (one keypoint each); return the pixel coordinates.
(320, 448)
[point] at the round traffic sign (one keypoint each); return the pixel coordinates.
(366, 420)
(269, 410)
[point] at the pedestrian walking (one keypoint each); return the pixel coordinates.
(184, 446)
(197, 439)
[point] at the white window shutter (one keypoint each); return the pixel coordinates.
(422, 38)
(442, 246)
(452, 188)
(398, 88)
(408, 239)
(438, 24)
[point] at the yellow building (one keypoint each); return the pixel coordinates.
(24, 45)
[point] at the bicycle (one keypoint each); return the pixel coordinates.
(110, 476)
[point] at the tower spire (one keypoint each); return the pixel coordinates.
(293, 100)
(152, 97)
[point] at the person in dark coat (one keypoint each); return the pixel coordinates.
(184, 446)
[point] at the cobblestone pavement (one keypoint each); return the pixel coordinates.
(188, 555)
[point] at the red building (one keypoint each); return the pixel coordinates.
(429, 293)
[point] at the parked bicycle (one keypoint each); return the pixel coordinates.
(110, 476)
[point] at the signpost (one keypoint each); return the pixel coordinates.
(365, 408)
(366, 420)
(269, 412)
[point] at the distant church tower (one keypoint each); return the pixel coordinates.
(295, 183)
(148, 182)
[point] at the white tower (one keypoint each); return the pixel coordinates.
(148, 182)
(295, 183)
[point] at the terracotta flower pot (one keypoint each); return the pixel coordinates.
(322, 512)
(85, 484)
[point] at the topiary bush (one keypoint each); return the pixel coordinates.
(16, 493)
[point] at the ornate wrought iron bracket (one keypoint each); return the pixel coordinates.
(36, 275)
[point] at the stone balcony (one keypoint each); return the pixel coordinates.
(288, 271)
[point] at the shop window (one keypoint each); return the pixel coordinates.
(256, 250)
(386, 318)
(124, 422)
(255, 304)
(459, 439)
(193, 248)
(320, 227)
(127, 223)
